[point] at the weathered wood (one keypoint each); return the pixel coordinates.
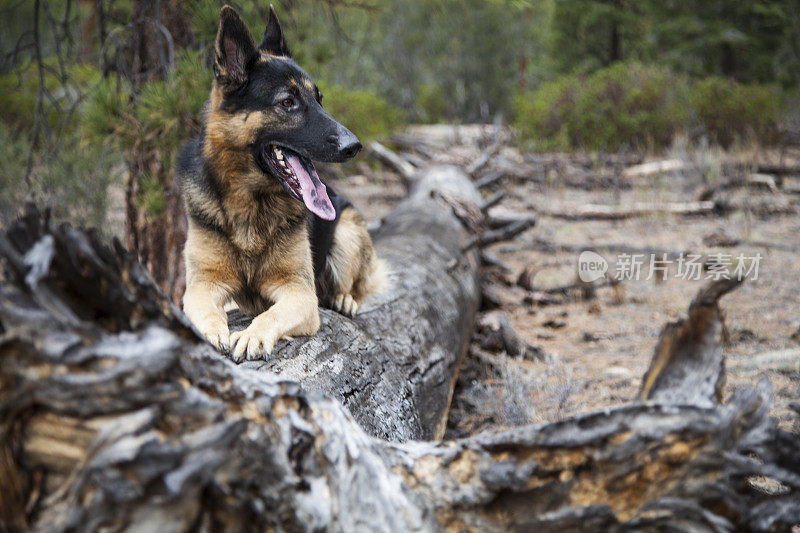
(751, 181)
(394, 365)
(655, 167)
(484, 157)
(114, 415)
(503, 233)
(687, 367)
(392, 160)
(640, 209)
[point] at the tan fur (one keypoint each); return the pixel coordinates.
(353, 269)
(250, 244)
(264, 258)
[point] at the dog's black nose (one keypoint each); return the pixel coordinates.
(351, 149)
(347, 145)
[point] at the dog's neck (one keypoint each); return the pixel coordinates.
(255, 206)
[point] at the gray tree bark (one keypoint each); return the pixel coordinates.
(394, 365)
(114, 415)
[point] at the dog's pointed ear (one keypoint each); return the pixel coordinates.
(273, 40)
(233, 49)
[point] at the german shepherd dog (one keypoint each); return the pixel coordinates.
(263, 230)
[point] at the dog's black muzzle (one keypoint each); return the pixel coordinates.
(323, 138)
(344, 144)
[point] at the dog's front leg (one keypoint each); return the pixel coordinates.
(203, 303)
(295, 312)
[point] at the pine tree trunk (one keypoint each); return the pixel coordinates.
(156, 229)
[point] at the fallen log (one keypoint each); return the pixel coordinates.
(394, 364)
(115, 415)
(639, 209)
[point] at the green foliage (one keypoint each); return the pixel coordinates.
(643, 107)
(19, 91)
(586, 35)
(152, 196)
(732, 112)
(106, 116)
(431, 102)
(159, 119)
(167, 111)
(754, 41)
(363, 112)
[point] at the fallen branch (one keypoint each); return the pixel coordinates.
(490, 179)
(547, 246)
(779, 170)
(495, 333)
(608, 212)
(655, 167)
(484, 157)
(504, 233)
(752, 181)
(492, 201)
(392, 160)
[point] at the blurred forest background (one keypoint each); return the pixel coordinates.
(97, 96)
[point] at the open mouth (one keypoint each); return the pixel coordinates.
(298, 176)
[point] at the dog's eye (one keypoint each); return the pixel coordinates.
(287, 102)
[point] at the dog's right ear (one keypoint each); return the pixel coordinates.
(273, 40)
(233, 49)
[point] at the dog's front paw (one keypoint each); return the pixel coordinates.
(252, 343)
(345, 304)
(216, 333)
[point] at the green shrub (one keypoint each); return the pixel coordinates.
(625, 104)
(430, 99)
(644, 107)
(366, 114)
(730, 112)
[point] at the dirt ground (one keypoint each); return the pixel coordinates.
(596, 349)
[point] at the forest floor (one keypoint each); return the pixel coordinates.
(598, 345)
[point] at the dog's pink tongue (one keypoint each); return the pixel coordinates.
(315, 195)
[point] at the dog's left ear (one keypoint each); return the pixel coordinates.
(273, 40)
